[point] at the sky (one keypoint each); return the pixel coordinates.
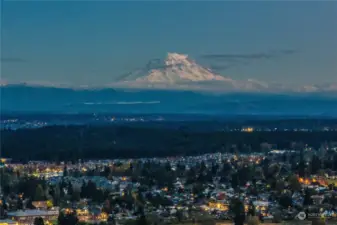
(93, 43)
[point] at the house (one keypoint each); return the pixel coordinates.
(41, 204)
(8, 222)
(27, 217)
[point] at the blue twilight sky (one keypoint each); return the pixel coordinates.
(87, 42)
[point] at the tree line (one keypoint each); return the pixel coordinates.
(61, 143)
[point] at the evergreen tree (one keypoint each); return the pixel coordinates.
(286, 200)
(141, 219)
(57, 195)
(179, 215)
(238, 210)
(70, 189)
(301, 165)
(315, 164)
(307, 198)
(65, 171)
(235, 180)
(39, 193)
(251, 209)
(38, 221)
(2, 210)
(294, 184)
(67, 219)
(20, 204)
(111, 220)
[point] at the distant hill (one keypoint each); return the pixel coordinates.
(23, 98)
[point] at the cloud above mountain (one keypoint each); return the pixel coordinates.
(262, 55)
(219, 62)
(12, 60)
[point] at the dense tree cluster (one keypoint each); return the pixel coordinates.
(61, 143)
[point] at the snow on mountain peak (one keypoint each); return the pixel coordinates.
(175, 68)
(3, 83)
(175, 58)
(178, 71)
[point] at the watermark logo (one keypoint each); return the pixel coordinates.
(326, 215)
(302, 216)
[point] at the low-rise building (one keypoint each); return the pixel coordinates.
(27, 217)
(8, 222)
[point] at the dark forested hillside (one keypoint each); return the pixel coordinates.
(74, 142)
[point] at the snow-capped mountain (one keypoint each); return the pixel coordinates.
(3, 83)
(178, 71)
(327, 87)
(174, 69)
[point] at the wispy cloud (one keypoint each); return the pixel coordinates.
(215, 67)
(225, 61)
(121, 103)
(12, 60)
(261, 55)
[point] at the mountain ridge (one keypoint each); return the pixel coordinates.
(179, 72)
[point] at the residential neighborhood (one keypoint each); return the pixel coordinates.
(275, 186)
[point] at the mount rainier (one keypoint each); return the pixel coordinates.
(178, 71)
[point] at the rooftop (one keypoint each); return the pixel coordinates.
(34, 212)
